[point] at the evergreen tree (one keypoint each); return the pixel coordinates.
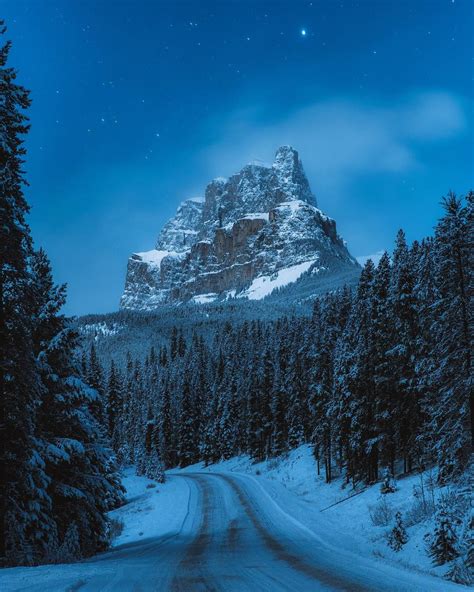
(188, 433)
(403, 303)
(114, 402)
(353, 407)
(387, 400)
(70, 549)
(398, 535)
(95, 379)
(83, 484)
(25, 507)
(452, 327)
(442, 548)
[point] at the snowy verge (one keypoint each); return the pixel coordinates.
(341, 516)
(152, 509)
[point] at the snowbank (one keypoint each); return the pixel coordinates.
(152, 509)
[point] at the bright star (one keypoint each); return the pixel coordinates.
(303, 32)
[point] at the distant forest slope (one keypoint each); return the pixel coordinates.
(114, 334)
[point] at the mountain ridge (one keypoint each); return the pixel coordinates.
(260, 225)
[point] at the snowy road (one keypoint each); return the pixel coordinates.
(228, 535)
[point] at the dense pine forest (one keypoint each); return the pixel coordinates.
(58, 473)
(377, 379)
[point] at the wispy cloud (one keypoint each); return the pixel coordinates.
(362, 259)
(341, 139)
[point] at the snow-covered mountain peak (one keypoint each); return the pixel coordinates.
(291, 175)
(286, 159)
(179, 233)
(258, 222)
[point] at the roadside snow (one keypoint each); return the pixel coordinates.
(152, 509)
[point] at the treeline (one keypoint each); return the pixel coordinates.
(57, 474)
(378, 378)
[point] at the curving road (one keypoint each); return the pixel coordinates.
(234, 538)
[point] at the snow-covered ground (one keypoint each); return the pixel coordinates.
(239, 526)
(153, 509)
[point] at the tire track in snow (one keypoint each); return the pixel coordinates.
(189, 573)
(283, 554)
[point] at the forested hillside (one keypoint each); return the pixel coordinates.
(374, 376)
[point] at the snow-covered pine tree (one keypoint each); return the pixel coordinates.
(83, 484)
(387, 401)
(452, 419)
(263, 401)
(254, 423)
(228, 419)
(398, 536)
(95, 378)
(443, 546)
(402, 355)
(353, 407)
(329, 320)
(425, 360)
(70, 549)
(154, 468)
(27, 526)
(279, 437)
(165, 427)
(188, 433)
(114, 403)
(125, 426)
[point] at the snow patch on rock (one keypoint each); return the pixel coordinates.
(264, 285)
(155, 257)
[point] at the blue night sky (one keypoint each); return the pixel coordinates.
(136, 105)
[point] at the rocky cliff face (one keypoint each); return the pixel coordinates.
(256, 231)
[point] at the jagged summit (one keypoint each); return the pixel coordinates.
(291, 174)
(251, 233)
(179, 233)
